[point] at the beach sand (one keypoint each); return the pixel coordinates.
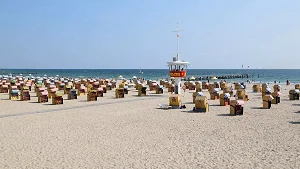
(133, 133)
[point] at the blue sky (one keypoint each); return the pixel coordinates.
(138, 33)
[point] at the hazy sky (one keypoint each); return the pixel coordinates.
(138, 33)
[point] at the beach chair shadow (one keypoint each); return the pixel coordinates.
(294, 122)
(140, 96)
(223, 115)
(155, 95)
(295, 104)
(192, 111)
(256, 107)
(150, 95)
(158, 108)
(33, 102)
(50, 104)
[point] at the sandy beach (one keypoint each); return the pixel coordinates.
(132, 132)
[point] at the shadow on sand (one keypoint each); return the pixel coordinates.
(295, 104)
(223, 115)
(294, 122)
(191, 111)
(158, 108)
(35, 102)
(257, 108)
(150, 95)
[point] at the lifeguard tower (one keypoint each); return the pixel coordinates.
(177, 67)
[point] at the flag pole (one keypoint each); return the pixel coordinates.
(177, 36)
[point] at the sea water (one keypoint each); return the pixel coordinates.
(258, 75)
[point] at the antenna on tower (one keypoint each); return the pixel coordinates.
(177, 35)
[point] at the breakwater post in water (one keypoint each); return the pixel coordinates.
(236, 76)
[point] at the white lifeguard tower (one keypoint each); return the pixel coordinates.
(177, 68)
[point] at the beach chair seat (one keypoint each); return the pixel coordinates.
(276, 96)
(25, 95)
(104, 88)
(77, 85)
(39, 91)
(198, 87)
(61, 86)
(51, 92)
(89, 87)
(201, 104)
(276, 88)
(14, 87)
(159, 89)
(100, 92)
(73, 94)
(294, 94)
(142, 91)
(171, 88)
(51, 86)
(119, 93)
(57, 98)
(267, 101)
(236, 107)
(36, 87)
(223, 85)
(67, 89)
(14, 94)
(205, 85)
(139, 86)
(28, 84)
(192, 86)
(96, 85)
(237, 86)
(153, 86)
(214, 94)
(174, 100)
(82, 91)
(121, 85)
(241, 95)
(4, 89)
(216, 85)
(18, 85)
(224, 99)
(92, 95)
(195, 94)
(256, 88)
(113, 84)
(43, 97)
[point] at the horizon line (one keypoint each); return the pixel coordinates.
(147, 68)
